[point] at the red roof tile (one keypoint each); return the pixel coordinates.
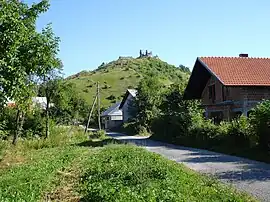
(240, 71)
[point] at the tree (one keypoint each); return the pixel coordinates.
(148, 100)
(19, 55)
(176, 111)
(184, 68)
(260, 122)
(50, 67)
(49, 88)
(68, 104)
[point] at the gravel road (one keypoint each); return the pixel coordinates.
(246, 175)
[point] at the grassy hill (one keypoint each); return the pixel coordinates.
(126, 72)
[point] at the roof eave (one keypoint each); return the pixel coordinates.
(210, 71)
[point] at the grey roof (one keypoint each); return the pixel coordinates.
(113, 110)
(132, 92)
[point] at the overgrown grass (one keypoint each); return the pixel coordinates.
(26, 182)
(128, 173)
(28, 168)
(63, 168)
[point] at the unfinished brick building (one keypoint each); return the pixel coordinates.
(229, 86)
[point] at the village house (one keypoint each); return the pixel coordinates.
(229, 86)
(112, 117)
(127, 104)
(40, 102)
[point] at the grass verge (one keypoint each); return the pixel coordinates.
(128, 173)
(70, 167)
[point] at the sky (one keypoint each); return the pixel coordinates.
(178, 31)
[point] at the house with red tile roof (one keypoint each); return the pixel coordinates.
(229, 86)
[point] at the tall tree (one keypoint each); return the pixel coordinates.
(24, 53)
(148, 100)
(50, 67)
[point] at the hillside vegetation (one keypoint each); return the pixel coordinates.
(126, 72)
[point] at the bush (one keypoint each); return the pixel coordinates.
(260, 123)
(111, 97)
(204, 135)
(34, 123)
(59, 136)
(7, 119)
(238, 130)
(99, 134)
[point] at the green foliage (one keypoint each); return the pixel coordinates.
(28, 170)
(184, 69)
(34, 124)
(130, 69)
(260, 122)
(175, 112)
(60, 136)
(25, 54)
(239, 131)
(35, 169)
(68, 104)
(21, 49)
(129, 173)
(7, 119)
(99, 134)
(148, 100)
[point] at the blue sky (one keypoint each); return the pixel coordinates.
(178, 31)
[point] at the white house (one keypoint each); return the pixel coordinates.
(36, 101)
(112, 117)
(40, 102)
(127, 104)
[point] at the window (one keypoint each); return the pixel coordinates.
(212, 92)
(225, 93)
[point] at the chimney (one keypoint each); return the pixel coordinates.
(243, 55)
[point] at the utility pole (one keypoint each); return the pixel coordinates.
(90, 114)
(98, 97)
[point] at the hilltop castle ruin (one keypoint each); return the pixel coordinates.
(146, 54)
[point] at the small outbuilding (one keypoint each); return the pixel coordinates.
(112, 117)
(127, 104)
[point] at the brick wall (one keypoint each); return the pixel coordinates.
(234, 93)
(218, 89)
(255, 93)
(244, 98)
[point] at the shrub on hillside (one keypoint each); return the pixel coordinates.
(111, 97)
(260, 123)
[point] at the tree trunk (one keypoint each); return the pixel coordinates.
(47, 119)
(16, 132)
(19, 126)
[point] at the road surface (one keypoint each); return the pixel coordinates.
(246, 175)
